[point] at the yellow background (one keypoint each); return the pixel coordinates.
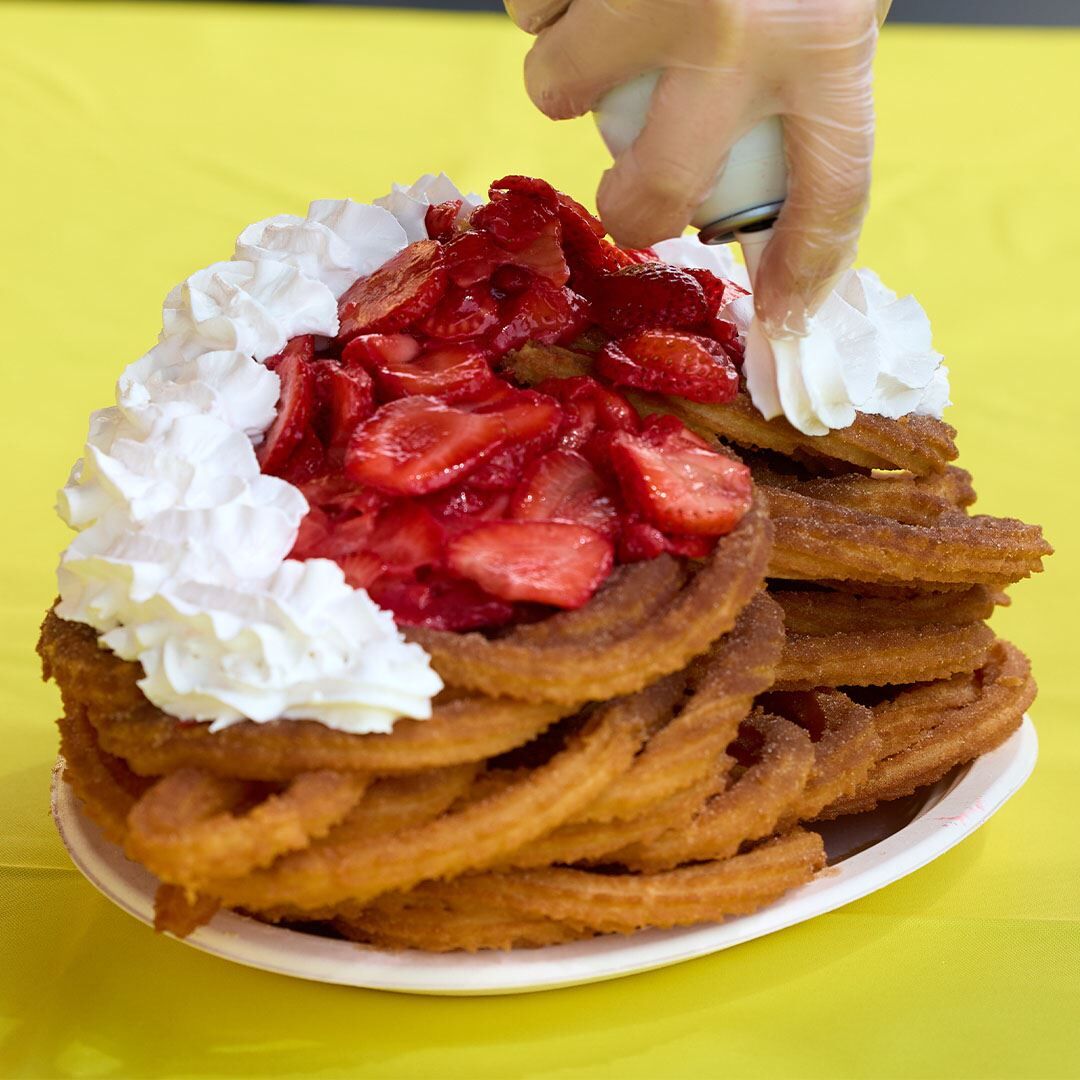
(136, 141)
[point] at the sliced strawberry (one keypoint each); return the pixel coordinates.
(361, 570)
(466, 504)
(718, 291)
(670, 362)
(544, 256)
(563, 486)
(293, 414)
(545, 562)
(327, 539)
(338, 493)
(449, 372)
(406, 536)
(640, 541)
(576, 219)
(395, 296)
(527, 414)
(641, 255)
(587, 252)
(541, 313)
(532, 423)
(727, 334)
(314, 531)
(590, 406)
(346, 396)
(532, 186)
(462, 313)
(649, 294)
(303, 347)
(418, 444)
(676, 482)
(441, 218)
(510, 279)
(471, 257)
(373, 351)
(691, 547)
(440, 602)
(519, 211)
(307, 461)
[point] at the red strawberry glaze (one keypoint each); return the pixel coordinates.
(461, 501)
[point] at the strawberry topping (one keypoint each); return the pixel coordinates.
(461, 501)
(401, 291)
(668, 362)
(418, 444)
(441, 218)
(302, 347)
(554, 563)
(293, 412)
(563, 486)
(677, 482)
(649, 294)
(462, 313)
(449, 372)
(542, 312)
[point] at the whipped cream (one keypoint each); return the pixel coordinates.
(409, 205)
(338, 242)
(180, 559)
(866, 350)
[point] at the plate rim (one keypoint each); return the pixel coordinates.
(977, 792)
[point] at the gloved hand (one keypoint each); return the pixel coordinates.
(725, 65)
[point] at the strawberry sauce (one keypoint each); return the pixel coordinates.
(461, 501)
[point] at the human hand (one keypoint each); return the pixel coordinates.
(725, 65)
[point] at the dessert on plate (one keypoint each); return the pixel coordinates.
(447, 577)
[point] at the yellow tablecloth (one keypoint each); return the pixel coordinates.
(137, 140)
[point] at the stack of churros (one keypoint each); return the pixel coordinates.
(652, 759)
(668, 644)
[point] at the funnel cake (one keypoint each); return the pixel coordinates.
(669, 634)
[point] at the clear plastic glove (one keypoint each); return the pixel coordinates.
(725, 65)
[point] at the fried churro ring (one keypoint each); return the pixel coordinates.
(722, 686)
(1005, 689)
(602, 841)
(621, 660)
(919, 444)
(815, 540)
(153, 743)
(820, 611)
(328, 872)
(468, 729)
(192, 826)
(634, 593)
(748, 810)
(918, 709)
(103, 784)
(623, 903)
(178, 912)
(845, 741)
(882, 657)
(903, 497)
(413, 923)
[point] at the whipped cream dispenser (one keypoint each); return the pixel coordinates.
(748, 194)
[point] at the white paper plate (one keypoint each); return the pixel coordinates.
(867, 852)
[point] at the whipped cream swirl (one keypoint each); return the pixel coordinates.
(180, 561)
(866, 350)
